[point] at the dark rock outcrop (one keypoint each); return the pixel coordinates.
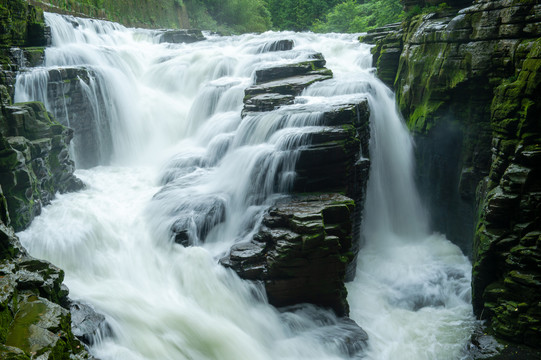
(180, 36)
(301, 252)
(289, 70)
(34, 160)
(306, 245)
(279, 85)
(290, 86)
(468, 84)
(77, 89)
(278, 45)
(386, 52)
(507, 245)
(86, 324)
(267, 102)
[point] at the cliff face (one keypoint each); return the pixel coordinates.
(35, 320)
(146, 14)
(34, 160)
(468, 84)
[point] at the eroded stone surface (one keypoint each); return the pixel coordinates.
(301, 252)
(34, 160)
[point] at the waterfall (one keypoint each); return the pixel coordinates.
(180, 146)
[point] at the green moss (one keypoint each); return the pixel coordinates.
(422, 119)
(6, 317)
(29, 313)
(12, 354)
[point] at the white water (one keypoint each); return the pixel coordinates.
(180, 147)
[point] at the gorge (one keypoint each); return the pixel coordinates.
(276, 158)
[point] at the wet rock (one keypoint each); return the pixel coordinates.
(342, 333)
(278, 85)
(38, 328)
(87, 324)
(467, 83)
(288, 86)
(196, 218)
(376, 35)
(289, 70)
(27, 57)
(180, 36)
(21, 25)
(334, 158)
(301, 252)
(278, 45)
(325, 164)
(77, 89)
(386, 53)
(34, 161)
(266, 102)
(32, 320)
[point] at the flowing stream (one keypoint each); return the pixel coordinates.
(180, 146)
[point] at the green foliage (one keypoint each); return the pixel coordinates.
(298, 15)
(233, 16)
(417, 10)
(351, 16)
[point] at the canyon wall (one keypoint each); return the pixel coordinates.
(468, 83)
(35, 320)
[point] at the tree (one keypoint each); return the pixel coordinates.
(350, 16)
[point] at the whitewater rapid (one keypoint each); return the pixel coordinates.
(179, 144)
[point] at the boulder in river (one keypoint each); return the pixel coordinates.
(301, 252)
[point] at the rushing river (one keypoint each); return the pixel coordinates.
(179, 144)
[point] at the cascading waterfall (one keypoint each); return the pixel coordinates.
(180, 146)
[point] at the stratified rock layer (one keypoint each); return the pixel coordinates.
(78, 102)
(468, 84)
(34, 160)
(307, 245)
(301, 252)
(35, 322)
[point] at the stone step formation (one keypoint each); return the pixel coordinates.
(306, 246)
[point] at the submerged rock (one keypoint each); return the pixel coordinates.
(278, 45)
(196, 218)
(343, 334)
(86, 324)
